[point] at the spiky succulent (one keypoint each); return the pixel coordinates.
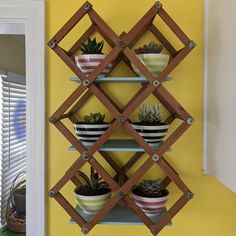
(150, 115)
(92, 47)
(94, 118)
(93, 184)
(150, 48)
(150, 188)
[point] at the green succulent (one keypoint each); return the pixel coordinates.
(94, 118)
(92, 47)
(150, 48)
(150, 115)
(151, 188)
(91, 184)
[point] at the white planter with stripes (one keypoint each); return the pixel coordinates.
(152, 134)
(88, 134)
(88, 63)
(92, 204)
(150, 206)
(155, 62)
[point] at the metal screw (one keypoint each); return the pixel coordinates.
(87, 6)
(155, 158)
(86, 82)
(52, 44)
(86, 156)
(189, 195)
(52, 119)
(120, 195)
(121, 119)
(154, 231)
(122, 44)
(192, 44)
(51, 193)
(85, 230)
(156, 83)
(190, 121)
(158, 5)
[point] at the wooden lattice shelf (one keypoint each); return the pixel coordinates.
(121, 46)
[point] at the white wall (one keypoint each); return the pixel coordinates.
(221, 92)
(12, 53)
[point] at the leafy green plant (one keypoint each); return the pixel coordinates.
(94, 118)
(150, 188)
(93, 185)
(150, 115)
(92, 47)
(150, 48)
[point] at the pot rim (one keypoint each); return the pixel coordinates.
(83, 56)
(92, 197)
(154, 55)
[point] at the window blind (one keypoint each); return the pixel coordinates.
(13, 133)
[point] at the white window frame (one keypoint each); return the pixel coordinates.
(31, 14)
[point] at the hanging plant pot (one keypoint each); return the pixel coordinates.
(88, 63)
(152, 134)
(90, 133)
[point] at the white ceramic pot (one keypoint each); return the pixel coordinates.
(150, 206)
(90, 133)
(152, 134)
(155, 62)
(92, 204)
(88, 62)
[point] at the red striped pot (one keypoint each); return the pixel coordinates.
(88, 62)
(150, 206)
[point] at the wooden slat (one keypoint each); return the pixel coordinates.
(76, 181)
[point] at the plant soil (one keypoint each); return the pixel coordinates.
(162, 193)
(82, 190)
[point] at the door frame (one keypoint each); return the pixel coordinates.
(31, 14)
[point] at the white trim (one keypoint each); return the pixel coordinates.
(205, 167)
(31, 14)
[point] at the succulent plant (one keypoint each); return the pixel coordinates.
(150, 48)
(151, 188)
(93, 184)
(92, 47)
(94, 118)
(150, 115)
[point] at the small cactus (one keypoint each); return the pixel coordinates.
(92, 47)
(150, 48)
(94, 118)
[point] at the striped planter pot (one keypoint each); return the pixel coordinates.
(92, 204)
(88, 62)
(150, 206)
(152, 134)
(155, 62)
(90, 133)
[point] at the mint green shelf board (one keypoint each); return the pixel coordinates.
(120, 145)
(120, 216)
(119, 79)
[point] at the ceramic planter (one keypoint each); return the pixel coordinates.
(90, 133)
(88, 63)
(92, 204)
(150, 133)
(151, 206)
(155, 62)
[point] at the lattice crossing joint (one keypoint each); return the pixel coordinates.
(158, 5)
(155, 158)
(86, 156)
(51, 193)
(85, 231)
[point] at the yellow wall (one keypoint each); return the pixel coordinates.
(213, 210)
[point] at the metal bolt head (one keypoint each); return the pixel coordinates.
(158, 5)
(52, 120)
(51, 193)
(154, 232)
(120, 195)
(190, 121)
(85, 230)
(189, 195)
(86, 82)
(121, 119)
(86, 156)
(52, 44)
(87, 6)
(156, 83)
(122, 44)
(155, 158)
(192, 44)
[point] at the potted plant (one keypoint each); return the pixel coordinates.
(91, 129)
(150, 196)
(93, 194)
(91, 57)
(150, 125)
(150, 55)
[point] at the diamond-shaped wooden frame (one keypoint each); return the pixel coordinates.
(121, 49)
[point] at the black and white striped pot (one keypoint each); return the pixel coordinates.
(152, 134)
(88, 134)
